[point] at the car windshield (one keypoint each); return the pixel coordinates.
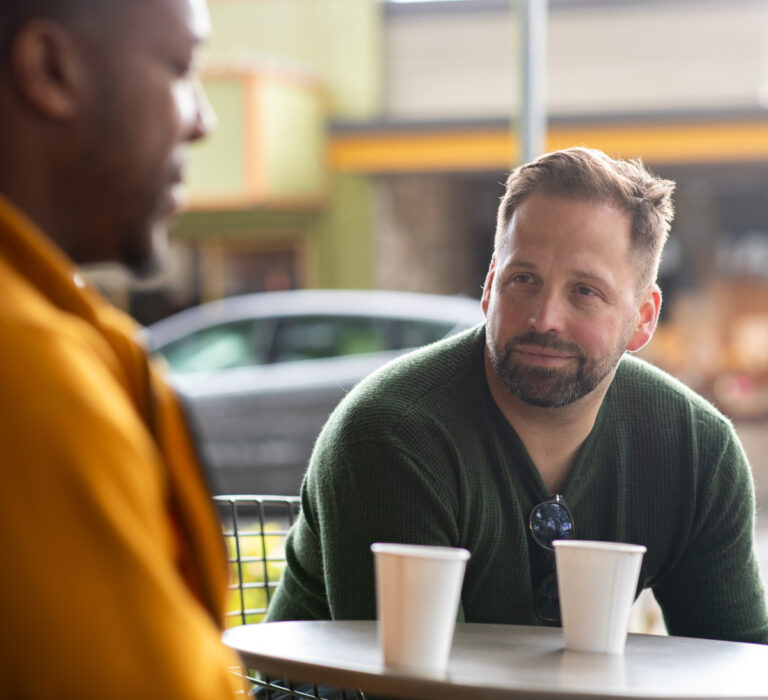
(224, 346)
(251, 342)
(314, 337)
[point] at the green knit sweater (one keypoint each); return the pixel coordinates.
(419, 452)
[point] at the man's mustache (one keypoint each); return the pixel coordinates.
(544, 340)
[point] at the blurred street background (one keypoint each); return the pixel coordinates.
(362, 144)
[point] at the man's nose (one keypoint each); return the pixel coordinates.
(547, 313)
(204, 119)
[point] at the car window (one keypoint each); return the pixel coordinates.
(413, 334)
(228, 345)
(314, 337)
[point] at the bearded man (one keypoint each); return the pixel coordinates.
(538, 425)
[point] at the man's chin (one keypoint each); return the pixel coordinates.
(146, 269)
(554, 398)
(541, 387)
(148, 260)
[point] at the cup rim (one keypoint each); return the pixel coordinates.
(421, 551)
(600, 545)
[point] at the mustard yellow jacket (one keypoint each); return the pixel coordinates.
(113, 571)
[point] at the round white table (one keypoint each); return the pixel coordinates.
(507, 661)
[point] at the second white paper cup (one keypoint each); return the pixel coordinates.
(597, 582)
(417, 597)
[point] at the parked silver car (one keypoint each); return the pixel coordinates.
(261, 372)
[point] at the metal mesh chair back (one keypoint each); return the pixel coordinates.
(255, 529)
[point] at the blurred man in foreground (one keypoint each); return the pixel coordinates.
(114, 567)
(537, 426)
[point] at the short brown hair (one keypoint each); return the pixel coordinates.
(587, 173)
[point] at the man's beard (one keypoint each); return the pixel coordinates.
(145, 252)
(549, 387)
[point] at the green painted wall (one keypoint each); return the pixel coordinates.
(350, 56)
(345, 246)
(243, 223)
(217, 165)
(287, 143)
(338, 40)
(292, 126)
(337, 240)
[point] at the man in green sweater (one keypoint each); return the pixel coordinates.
(537, 425)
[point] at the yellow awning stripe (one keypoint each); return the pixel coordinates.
(492, 148)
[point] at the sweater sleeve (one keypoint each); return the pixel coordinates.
(358, 491)
(715, 590)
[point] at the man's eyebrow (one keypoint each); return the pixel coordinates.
(584, 274)
(581, 274)
(523, 264)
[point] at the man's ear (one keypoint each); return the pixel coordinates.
(647, 318)
(488, 284)
(47, 68)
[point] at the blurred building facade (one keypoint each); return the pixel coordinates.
(364, 143)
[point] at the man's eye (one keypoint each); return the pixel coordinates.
(523, 279)
(181, 68)
(586, 291)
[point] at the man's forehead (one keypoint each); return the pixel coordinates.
(546, 209)
(190, 17)
(586, 231)
(199, 19)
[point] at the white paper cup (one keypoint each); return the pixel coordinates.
(596, 582)
(417, 597)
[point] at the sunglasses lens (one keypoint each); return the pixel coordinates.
(547, 601)
(549, 522)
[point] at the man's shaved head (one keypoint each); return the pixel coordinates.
(98, 100)
(14, 13)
